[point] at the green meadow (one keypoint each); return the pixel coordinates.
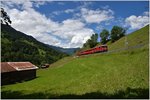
(123, 74)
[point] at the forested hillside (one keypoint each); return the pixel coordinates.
(17, 46)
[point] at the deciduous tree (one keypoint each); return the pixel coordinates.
(104, 36)
(116, 33)
(92, 42)
(5, 18)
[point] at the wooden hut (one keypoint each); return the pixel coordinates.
(12, 72)
(45, 66)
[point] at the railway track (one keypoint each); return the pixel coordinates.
(108, 52)
(119, 50)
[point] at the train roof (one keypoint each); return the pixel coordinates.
(93, 47)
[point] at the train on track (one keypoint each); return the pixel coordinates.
(98, 49)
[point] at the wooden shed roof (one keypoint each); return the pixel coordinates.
(16, 66)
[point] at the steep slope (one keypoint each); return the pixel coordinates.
(138, 37)
(16, 46)
(113, 75)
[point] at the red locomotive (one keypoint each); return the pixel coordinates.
(102, 48)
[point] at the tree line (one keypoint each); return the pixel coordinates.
(116, 33)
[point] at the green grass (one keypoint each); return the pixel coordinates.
(114, 75)
(138, 37)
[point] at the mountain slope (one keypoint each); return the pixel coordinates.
(16, 46)
(69, 51)
(113, 75)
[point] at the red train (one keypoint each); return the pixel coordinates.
(102, 48)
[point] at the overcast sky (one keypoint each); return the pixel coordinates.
(70, 24)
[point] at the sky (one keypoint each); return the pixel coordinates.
(69, 24)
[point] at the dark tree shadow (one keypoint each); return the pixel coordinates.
(137, 93)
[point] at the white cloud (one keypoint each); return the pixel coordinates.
(69, 11)
(33, 23)
(68, 33)
(146, 13)
(74, 31)
(56, 12)
(137, 22)
(96, 16)
(39, 3)
(71, 24)
(85, 4)
(23, 4)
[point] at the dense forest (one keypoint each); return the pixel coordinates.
(16, 46)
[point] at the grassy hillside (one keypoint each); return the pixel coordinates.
(138, 37)
(17, 46)
(112, 75)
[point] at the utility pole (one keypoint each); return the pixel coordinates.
(126, 41)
